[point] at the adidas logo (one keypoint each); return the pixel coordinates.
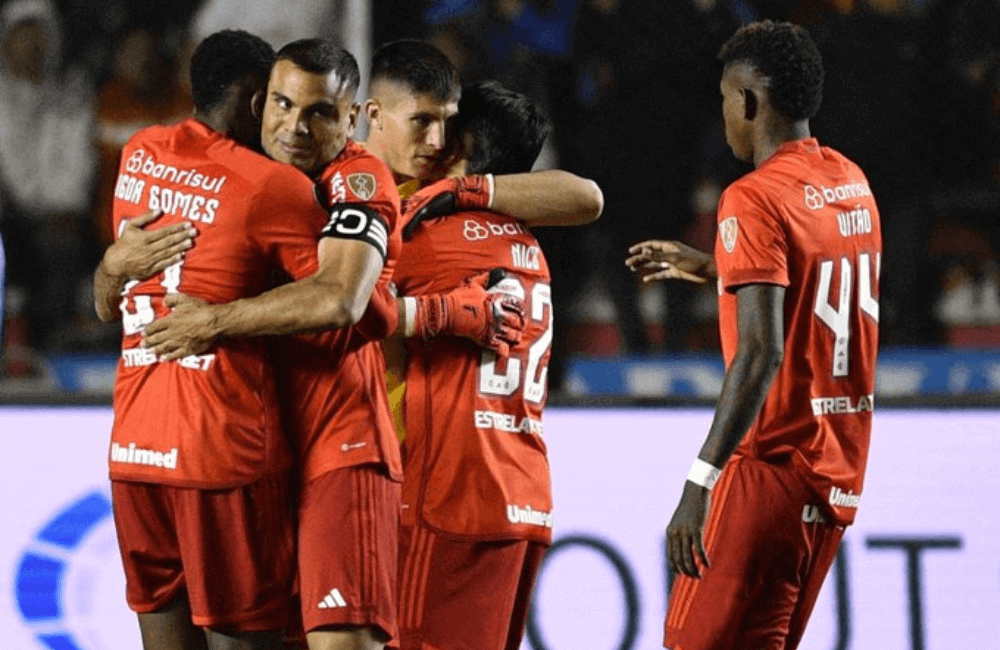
(332, 600)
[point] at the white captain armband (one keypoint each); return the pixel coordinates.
(704, 474)
(358, 221)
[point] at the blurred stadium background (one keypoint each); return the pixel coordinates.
(912, 95)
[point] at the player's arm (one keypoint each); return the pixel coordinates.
(333, 297)
(546, 198)
(492, 320)
(552, 197)
(654, 260)
(136, 255)
(759, 352)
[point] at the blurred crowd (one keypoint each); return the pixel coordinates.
(912, 95)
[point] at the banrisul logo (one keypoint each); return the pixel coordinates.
(68, 583)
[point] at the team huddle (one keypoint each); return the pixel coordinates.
(328, 420)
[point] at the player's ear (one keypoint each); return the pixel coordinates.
(352, 119)
(373, 113)
(257, 104)
(749, 104)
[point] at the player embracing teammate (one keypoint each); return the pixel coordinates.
(340, 252)
(797, 260)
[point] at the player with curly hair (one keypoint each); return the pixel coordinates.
(797, 259)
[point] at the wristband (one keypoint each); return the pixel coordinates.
(492, 190)
(409, 315)
(703, 474)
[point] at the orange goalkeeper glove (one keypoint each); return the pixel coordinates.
(494, 321)
(447, 197)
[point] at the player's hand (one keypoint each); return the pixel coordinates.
(685, 534)
(654, 260)
(138, 254)
(188, 329)
(493, 319)
(447, 197)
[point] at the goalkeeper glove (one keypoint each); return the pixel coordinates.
(494, 321)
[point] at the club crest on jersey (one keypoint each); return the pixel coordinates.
(728, 230)
(362, 184)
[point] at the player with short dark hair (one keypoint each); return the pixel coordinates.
(476, 489)
(488, 114)
(331, 383)
(198, 462)
(797, 259)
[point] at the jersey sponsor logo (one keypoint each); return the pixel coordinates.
(842, 404)
(855, 222)
(811, 514)
(139, 357)
(841, 499)
(351, 446)
(134, 162)
(507, 422)
(816, 198)
(728, 231)
(338, 194)
(140, 163)
(477, 231)
(525, 257)
(139, 456)
(362, 184)
(332, 600)
(528, 515)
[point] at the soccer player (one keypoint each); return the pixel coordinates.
(332, 383)
(197, 460)
(797, 257)
(476, 491)
(414, 94)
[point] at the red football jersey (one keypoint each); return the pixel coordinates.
(476, 461)
(332, 384)
(208, 420)
(806, 220)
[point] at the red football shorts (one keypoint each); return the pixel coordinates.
(768, 564)
(464, 594)
(232, 551)
(348, 546)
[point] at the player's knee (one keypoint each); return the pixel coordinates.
(347, 638)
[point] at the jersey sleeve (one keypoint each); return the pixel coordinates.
(363, 203)
(381, 317)
(752, 244)
(285, 221)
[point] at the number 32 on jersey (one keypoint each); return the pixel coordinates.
(524, 366)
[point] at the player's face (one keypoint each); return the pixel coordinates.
(739, 130)
(308, 117)
(412, 129)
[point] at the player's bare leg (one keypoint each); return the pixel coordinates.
(171, 628)
(232, 640)
(360, 638)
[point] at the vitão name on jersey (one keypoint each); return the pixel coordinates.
(138, 456)
(816, 198)
(855, 222)
(841, 499)
(528, 515)
(507, 422)
(843, 404)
